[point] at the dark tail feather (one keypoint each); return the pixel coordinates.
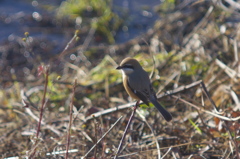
(167, 116)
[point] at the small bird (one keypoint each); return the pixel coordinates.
(138, 86)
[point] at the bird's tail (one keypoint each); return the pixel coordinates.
(167, 116)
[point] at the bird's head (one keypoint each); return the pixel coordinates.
(129, 65)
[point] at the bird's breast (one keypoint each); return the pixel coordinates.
(128, 89)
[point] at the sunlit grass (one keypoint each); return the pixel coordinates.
(97, 14)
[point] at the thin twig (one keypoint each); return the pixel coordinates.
(108, 111)
(81, 56)
(208, 96)
(126, 129)
(32, 154)
(199, 25)
(233, 139)
(154, 136)
(127, 155)
(175, 91)
(230, 72)
(153, 60)
(180, 89)
(69, 45)
(102, 137)
(70, 119)
(167, 152)
(206, 111)
(43, 102)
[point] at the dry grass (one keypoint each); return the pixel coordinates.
(196, 56)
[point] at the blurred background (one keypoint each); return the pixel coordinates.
(190, 49)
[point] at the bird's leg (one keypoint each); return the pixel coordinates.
(136, 105)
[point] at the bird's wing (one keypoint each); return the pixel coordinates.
(141, 94)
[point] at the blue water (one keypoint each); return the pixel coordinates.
(11, 14)
(139, 17)
(16, 18)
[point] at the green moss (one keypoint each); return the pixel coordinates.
(95, 13)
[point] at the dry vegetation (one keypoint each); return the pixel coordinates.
(195, 47)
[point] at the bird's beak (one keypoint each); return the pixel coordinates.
(119, 67)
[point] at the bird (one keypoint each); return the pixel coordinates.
(138, 86)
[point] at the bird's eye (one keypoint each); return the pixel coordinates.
(128, 66)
